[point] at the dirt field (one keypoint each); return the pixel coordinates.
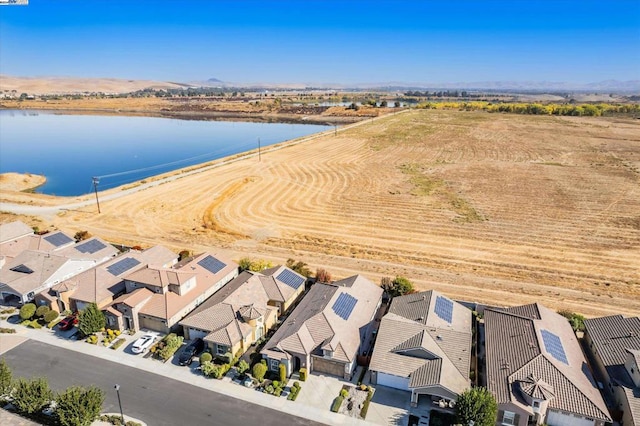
(503, 209)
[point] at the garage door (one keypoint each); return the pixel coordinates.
(392, 381)
(559, 419)
(194, 333)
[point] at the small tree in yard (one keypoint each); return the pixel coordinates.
(299, 267)
(91, 320)
(282, 369)
(396, 287)
(242, 367)
(323, 276)
(259, 370)
(477, 405)
(82, 235)
(27, 311)
(78, 406)
(248, 264)
(576, 320)
(6, 379)
(50, 316)
(42, 311)
(30, 396)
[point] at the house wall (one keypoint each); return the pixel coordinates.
(599, 365)
(632, 369)
(521, 416)
(622, 404)
(287, 303)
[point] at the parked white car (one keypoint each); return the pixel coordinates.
(143, 343)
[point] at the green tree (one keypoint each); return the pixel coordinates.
(42, 311)
(576, 320)
(243, 366)
(91, 319)
(6, 379)
(299, 267)
(477, 405)
(397, 287)
(78, 406)
(259, 370)
(27, 311)
(82, 235)
(248, 264)
(30, 396)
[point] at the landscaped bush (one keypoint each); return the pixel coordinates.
(50, 316)
(27, 311)
(32, 324)
(93, 339)
(7, 330)
(41, 311)
(303, 374)
(269, 389)
(277, 392)
(170, 344)
(344, 393)
(337, 402)
(282, 369)
(8, 311)
(365, 404)
(118, 343)
(295, 390)
(209, 369)
(242, 366)
(259, 370)
(205, 357)
(227, 358)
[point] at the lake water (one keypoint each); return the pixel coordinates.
(71, 149)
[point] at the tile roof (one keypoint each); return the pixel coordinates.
(15, 274)
(515, 351)
(159, 277)
(314, 324)
(73, 253)
(13, 230)
(413, 341)
(135, 298)
(633, 398)
(612, 336)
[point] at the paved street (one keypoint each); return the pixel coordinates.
(155, 399)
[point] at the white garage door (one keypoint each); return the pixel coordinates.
(392, 381)
(558, 419)
(195, 333)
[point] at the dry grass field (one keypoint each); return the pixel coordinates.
(503, 209)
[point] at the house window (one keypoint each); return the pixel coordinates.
(221, 350)
(508, 418)
(275, 364)
(536, 404)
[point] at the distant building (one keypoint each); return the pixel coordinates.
(536, 370)
(614, 343)
(326, 331)
(424, 347)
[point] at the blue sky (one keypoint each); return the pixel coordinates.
(308, 41)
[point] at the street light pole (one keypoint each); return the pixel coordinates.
(117, 388)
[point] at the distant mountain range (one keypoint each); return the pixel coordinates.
(70, 85)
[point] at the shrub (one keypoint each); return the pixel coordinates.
(171, 344)
(27, 311)
(323, 276)
(269, 389)
(82, 235)
(118, 343)
(93, 339)
(205, 357)
(8, 311)
(299, 267)
(91, 320)
(50, 316)
(34, 324)
(7, 330)
(282, 369)
(296, 385)
(277, 392)
(41, 311)
(344, 393)
(337, 403)
(242, 367)
(365, 404)
(6, 378)
(259, 370)
(303, 374)
(227, 358)
(295, 390)
(30, 396)
(396, 287)
(78, 406)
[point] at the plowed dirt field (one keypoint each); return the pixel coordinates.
(503, 209)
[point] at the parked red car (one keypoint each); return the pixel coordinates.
(68, 323)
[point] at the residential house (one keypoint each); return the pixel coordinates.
(102, 284)
(16, 237)
(536, 370)
(34, 271)
(326, 331)
(614, 344)
(157, 298)
(244, 310)
(424, 347)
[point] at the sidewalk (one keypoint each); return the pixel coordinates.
(176, 372)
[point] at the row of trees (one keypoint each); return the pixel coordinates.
(258, 265)
(75, 406)
(589, 110)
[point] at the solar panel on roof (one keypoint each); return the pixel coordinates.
(91, 247)
(290, 278)
(122, 266)
(444, 308)
(58, 239)
(344, 304)
(553, 345)
(212, 264)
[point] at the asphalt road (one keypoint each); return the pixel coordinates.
(156, 400)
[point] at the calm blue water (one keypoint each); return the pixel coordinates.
(70, 149)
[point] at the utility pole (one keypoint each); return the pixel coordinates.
(95, 188)
(259, 153)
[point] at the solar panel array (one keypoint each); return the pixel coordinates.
(290, 279)
(553, 345)
(58, 239)
(122, 266)
(212, 264)
(92, 246)
(444, 308)
(344, 304)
